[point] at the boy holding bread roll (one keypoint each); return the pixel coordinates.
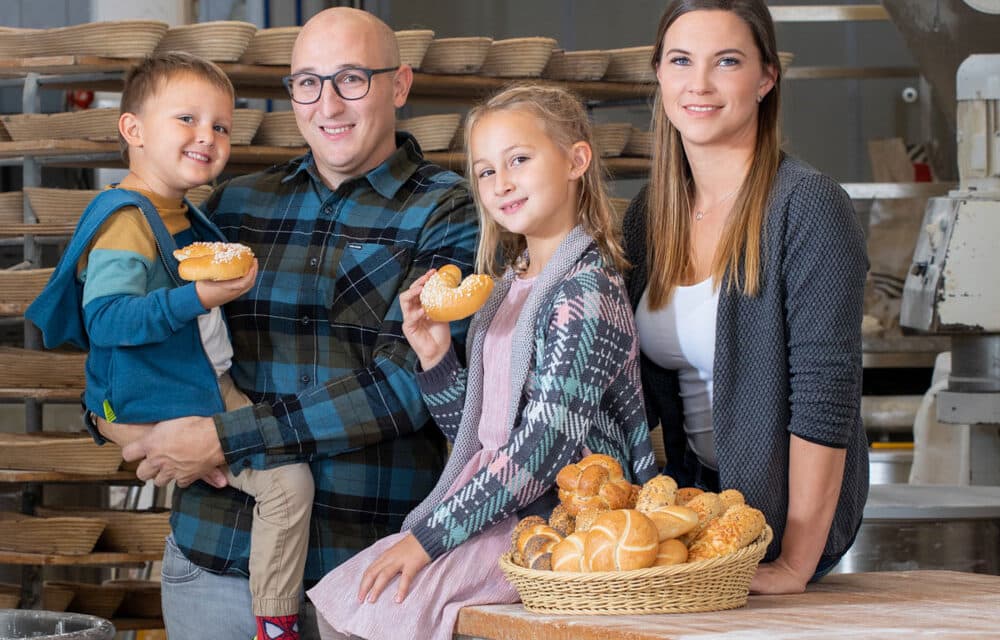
(158, 344)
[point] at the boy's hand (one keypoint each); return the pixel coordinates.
(215, 294)
(430, 340)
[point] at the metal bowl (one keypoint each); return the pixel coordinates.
(52, 625)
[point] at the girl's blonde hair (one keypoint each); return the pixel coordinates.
(565, 120)
(670, 192)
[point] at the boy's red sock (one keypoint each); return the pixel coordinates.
(278, 627)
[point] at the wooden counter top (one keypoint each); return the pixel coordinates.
(906, 604)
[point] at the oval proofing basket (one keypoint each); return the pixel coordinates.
(706, 585)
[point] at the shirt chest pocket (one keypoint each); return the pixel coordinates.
(367, 279)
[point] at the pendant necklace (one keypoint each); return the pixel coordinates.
(699, 214)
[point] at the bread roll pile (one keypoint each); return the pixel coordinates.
(604, 523)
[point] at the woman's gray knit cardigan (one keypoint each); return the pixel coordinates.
(787, 360)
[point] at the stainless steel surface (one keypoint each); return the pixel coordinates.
(889, 413)
(889, 466)
(975, 363)
(51, 625)
(896, 190)
(908, 527)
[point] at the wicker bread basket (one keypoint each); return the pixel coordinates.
(785, 60)
(66, 536)
(245, 123)
(53, 598)
(610, 138)
(631, 64)
(577, 65)
(279, 129)
(705, 585)
(433, 133)
(220, 40)
(142, 598)
(112, 39)
(518, 57)
(413, 45)
(4, 136)
(93, 599)
(126, 531)
(69, 453)
(59, 206)
(456, 55)
(19, 288)
(271, 46)
(89, 124)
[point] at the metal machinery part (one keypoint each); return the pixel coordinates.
(951, 287)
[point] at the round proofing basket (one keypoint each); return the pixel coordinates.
(245, 123)
(518, 57)
(785, 59)
(631, 64)
(433, 133)
(279, 129)
(610, 138)
(112, 39)
(577, 65)
(221, 40)
(456, 55)
(413, 45)
(706, 585)
(271, 46)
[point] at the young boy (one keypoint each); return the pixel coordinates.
(159, 348)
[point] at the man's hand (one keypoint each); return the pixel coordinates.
(182, 449)
(407, 557)
(778, 577)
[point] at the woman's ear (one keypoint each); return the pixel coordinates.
(130, 128)
(580, 154)
(767, 81)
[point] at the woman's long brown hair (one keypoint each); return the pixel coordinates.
(670, 192)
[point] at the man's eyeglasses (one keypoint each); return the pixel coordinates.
(352, 83)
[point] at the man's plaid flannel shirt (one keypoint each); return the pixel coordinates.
(319, 349)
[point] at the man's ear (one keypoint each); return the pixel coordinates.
(402, 80)
(580, 155)
(130, 128)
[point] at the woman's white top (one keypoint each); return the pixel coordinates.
(681, 336)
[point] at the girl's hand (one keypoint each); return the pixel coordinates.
(778, 577)
(406, 558)
(430, 340)
(215, 294)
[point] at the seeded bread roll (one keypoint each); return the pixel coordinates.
(660, 491)
(730, 497)
(521, 526)
(673, 521)
(569, 554)
(585, 519)
(562, 521)
(736, 528)
(596, 482)
(708, 506)
(621, 540)
(671, 552)
(534, 542)
(685, 494)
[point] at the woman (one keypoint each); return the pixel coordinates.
(748, 277)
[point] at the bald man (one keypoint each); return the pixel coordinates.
(319, 349)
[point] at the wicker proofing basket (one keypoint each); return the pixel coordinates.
(93, 599)
(433, 133)
(413, 45)
(518, 57)
(142, 598)
(456, 55)
(66, 536)
(220, 40)
(631, 64)
(69, 453)
(245, 123)
(126, 531)
(271, 46)
(59, 206)
(706, 585)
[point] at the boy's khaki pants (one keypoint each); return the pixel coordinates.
(279, 538)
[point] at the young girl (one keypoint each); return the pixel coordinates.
(748, 279)
(552, 372)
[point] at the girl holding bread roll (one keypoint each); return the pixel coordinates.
(552, 371)
(748, 280)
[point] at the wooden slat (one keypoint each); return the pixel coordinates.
(845, 73)
(24, 368)
(19, 288)
(68, 394)
(829, 13)
(86, 559)
(57, 477)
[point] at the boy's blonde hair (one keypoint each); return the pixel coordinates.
(145, 78)
(564, 119)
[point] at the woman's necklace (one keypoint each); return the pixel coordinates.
(700, 213)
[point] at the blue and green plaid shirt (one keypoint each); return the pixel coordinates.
(319, 349)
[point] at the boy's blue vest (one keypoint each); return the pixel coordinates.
(143, 383)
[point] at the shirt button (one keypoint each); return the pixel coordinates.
(313, 262)
(327, 209)
(305, 319)
(305, 379)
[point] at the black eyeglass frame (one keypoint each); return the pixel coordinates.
(287, 81)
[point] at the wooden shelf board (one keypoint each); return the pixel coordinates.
(41, 394)
(86, 559)
(843, 73)
(19, 475)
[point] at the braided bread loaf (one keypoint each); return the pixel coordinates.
(596, 482)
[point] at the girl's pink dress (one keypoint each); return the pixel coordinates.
(465, 576)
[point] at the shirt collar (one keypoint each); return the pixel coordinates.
(387, 178)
